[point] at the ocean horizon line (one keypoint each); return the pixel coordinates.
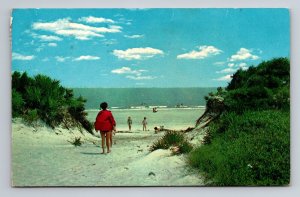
(141, 87)
(150, 108)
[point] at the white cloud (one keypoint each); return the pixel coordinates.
(231, 65)
(137, 53)
(110, 42)
(224, 78)
(40, 47)
(123, 20)
(115, 27)
(61, 59)
(49, 38)
(243, 54)
(122, 70)
(140, 77)
(134, 36)
(86, 57)
(92, 19)
(204, 52)
(219, 63)
(242, 65)
(65, 27)
(79, 34)
(127, 70)
(52, 44)
(134, 74)
(18, 56)
(227, 70)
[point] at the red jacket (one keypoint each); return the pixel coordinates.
(104, 121)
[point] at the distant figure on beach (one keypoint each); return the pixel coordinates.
(144, 122)
(154, 109)
(129, 122)
(105, 123)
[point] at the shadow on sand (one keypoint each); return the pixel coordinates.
(91, 153)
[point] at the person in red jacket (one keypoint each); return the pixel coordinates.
(105, 123)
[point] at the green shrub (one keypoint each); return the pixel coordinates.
(76, 109)
(20, 82)
(265, 86)
(31, 117)
(248, 149)
(17, 103)
(48, 98)
(77, 141)
(185, 147)
(173, 138)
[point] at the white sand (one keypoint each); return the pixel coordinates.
(44, 157)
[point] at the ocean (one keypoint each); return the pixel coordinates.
(170, 118)
(127, 98)
(178, 108)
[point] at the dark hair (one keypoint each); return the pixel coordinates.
(103, 105)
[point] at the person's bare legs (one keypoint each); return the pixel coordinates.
(103, 141)
(108, 136)
(111, 136)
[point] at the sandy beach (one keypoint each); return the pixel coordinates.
(44, 157)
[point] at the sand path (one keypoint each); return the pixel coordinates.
(43, 158)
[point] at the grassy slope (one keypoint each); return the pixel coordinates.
(250, 149)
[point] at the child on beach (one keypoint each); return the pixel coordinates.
(144, 122)
(105, 123)
(129, 122)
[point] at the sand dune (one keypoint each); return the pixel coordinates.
(44, 157)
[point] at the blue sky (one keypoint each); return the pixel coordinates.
(146, 47)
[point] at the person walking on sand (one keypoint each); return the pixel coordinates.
(129, 122)
(105, 123)
(144, 122)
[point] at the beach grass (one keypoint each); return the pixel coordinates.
(175, 139)
(249, 149)
(77, 141)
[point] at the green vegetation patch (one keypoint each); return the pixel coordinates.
(41, 97)
(249, 144)
(250, 149)
(173, 139)
(266, 86)
(77, 141)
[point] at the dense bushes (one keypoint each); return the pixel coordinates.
(251, 149)
(263, 87)
(44, 98)
(250, 143)
(17, 103)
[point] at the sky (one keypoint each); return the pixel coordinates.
(146, 47)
